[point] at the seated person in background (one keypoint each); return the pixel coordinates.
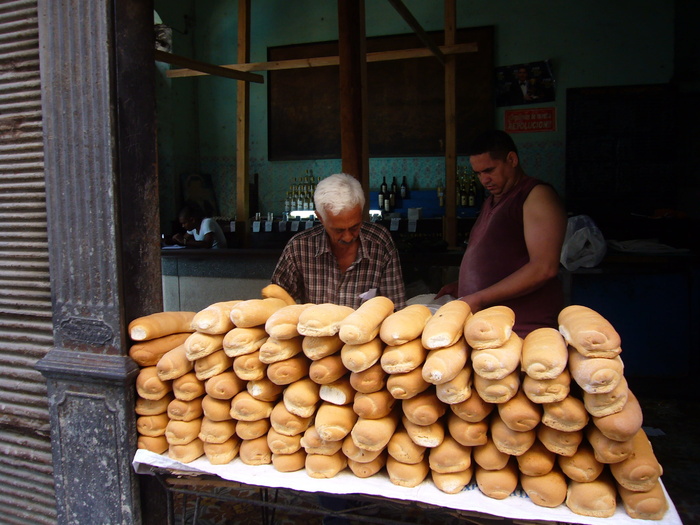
(344, 260)
(512, 256)
(201, 232)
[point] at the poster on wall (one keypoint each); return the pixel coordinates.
(531, 120)
(530, 83)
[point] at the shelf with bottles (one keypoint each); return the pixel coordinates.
(300, 195)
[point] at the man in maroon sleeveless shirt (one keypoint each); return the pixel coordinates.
(512, 256)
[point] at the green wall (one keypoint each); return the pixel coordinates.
(590, 43)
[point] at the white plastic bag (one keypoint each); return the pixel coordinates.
(584, 244)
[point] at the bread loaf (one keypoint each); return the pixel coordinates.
(245, 407)
(273, 290)
(473, 409)
(403, 449)
(467, 433)
(264, 389)
(537, 460)
(425, 436)
(216, 409)
(649, 505)
(182, 432)
(283, 323)
(510, 441)
(497, 390)
(199, 345)
(322, 319)
(148, 353)
(248, 430)
(582, 466)
(339, 392)
(457, 389)
(622, 425)
(446, 325)
(302, 397)
(362, 325)
(255, 312)
(488, 457)
(544, 353)
(186, 453)
(641, 470)
(289, 462)
(241, 341)
(327, 369)
(287, 371)
(324, 467)
(155, 444)
(367, 469)
(548, 490)
(153, 407)
(547, 390)
(185, 410)
(249, 367)
(407, 474)
(408, 385)
(370, 380)
(600, 405)
(588, 332)
(450, 456)
(453, 482)
(222, 453)
(287, 423)
(374, 405)
(596, 498)
(519, 413)
(318, 347)
(607, 450)
(404, 325)
(211, 365)
(374, 434)
(402, 358)
(595, 375)
(334, 422)
(160, 324)
(187, 387)
(152, 426)
(216, 431)
(497, 363)
(150, 386)
(215, 318)
(255, 451)
(283, 443)
(497, 484)
(275, 350)
(567, 415)
(314, 444)
(357, 454)
(443, 364)
(424, 408)
(490, 327)
(174, 363)
(359, 357)
(558, 441)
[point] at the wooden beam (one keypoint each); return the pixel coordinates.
(242, 123)
(450, 224)
(417, 29)
(300, 63)
(203, 67)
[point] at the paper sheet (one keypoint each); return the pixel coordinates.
(517, 506)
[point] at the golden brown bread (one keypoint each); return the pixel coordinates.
(274, 350)
(362, 325)
(160, 324)
(407, 474)
(185, 410)
(276, 291)
(510, 441)
(490, 327)
(588, 332)
(147, 353)
(497, 484)
(322, 319)
(582, 466)
(568, 414)
(622, 425)
(255, 451)
(404, 357)
(558, 441)
(488, 457)
(519, 413)
(649, 505)
(408, 385)
(155, 444)
(211, 365)
(607, 450)
(282, 324)
(334, 422)
(241, 341)
(612, 402)
(404, 325)
(290, 370)
(446, 325)
(289, 462)
(216, 409)
(174, 363)
(253, 429)
(245, 407)
(153, 407)
(187, 387)
(473, 409)
(547, 390)
(150, 386)
(595, 375)
(497, 363)
(373, 405)
(374, 434)
(544, 353)
(216, 431)
(425, 436)
(403, 449)
(215, 318)
(323, 467)
(249, 367)
(424, 408)
(450, 456)
(370, 380)
(152, 426)
(357, 454)
(359, 357)
(182, 432)
(287, 423)
(314, 444)
(537, 460)
(367, 469)
(339, 392)
(497, 390)
(302, 397)
(255, 312)
(318, 347)
(469, 434)
(264, 389)
(327, 369)
(222, 453)
(186, 453)
(453, 482)
(596, 498)
(199, 345)
(443, 364)
(640, 470)
(457, 389)
(548, 490)
(283, 443)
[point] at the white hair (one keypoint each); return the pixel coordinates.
(338, 193)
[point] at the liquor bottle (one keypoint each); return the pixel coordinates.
(394, 186)
(383, 187)
(387, 203)
(392, 199)
(380, 199)
(404, 188)
(463, 196)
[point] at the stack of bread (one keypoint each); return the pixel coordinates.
(449, 395)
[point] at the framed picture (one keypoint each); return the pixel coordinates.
(531, 83)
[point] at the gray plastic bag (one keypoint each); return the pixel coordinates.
(584, 244)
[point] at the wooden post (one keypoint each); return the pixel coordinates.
(450, 224)
(242, 123)
(353, 91)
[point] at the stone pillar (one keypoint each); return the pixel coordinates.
(98, 108)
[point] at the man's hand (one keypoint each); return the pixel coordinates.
(448, 289)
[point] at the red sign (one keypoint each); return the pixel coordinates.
(530, 120)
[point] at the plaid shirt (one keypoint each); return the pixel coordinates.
(309, 272)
